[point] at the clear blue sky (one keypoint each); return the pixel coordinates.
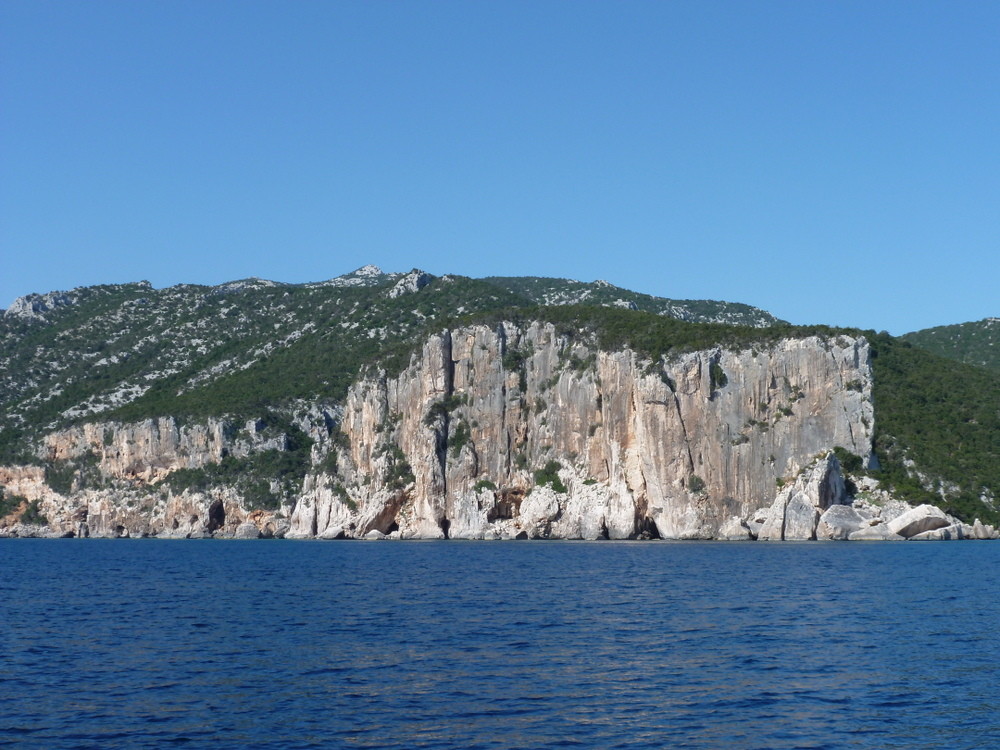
(834, 162)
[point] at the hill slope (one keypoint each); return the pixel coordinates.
(546, 291)
(976, 343)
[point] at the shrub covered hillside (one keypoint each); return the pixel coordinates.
(937, 428)
(976, 343)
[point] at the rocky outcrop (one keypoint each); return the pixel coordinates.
(152, 449)
(877, 533)
(983, 531)
(455, 444)
(919, 520)
(735, 530)
(839, 522)
(796, 510)
(34, 306)
(412, 282)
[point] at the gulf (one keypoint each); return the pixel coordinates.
(118, 643)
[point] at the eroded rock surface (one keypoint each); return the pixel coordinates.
(918, 520)
(508, 431)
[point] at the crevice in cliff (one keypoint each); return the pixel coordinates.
(684, 433)
(441, 441)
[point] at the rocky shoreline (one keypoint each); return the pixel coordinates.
(840, 522)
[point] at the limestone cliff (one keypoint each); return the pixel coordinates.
(501, 432)
(675, 448)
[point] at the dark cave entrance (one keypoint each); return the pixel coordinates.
(216, 516)
(647, 529)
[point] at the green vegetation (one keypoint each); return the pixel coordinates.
(976, 343)
(485, 484)
(849, 462)
(717, 376)
(10, 503)
(442, 408)
(515, 360)
(400, 473)
(59, 476)
(14, 447)
(549, 475)
(549, 291)
(696, 484)
(942, 415)
(458, 438)
(264, 479)
(32, 514)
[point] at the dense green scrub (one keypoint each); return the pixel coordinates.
(942, 415)
(975, 343)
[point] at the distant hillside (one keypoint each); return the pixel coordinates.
(548, 292)
(976, 343)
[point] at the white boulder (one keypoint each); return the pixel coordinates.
(839, 522)
(735, 530)
(920, 519)
(877, 533)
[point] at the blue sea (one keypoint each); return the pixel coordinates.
(281, 644)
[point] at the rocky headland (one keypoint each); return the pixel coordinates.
(511, 431)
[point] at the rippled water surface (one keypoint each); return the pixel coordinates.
(498, 645)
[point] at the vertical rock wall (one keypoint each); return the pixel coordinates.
(675, 447)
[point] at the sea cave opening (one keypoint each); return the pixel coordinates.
(216, 516)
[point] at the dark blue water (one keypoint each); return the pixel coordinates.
(498, 645)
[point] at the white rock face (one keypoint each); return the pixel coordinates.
(878, 533)
(735, 530)
(147, 450)
(920, 519)
(246, 531)
(945, 533)
(983, 531)
(839, 522)
(412, 282)
(33, 306)
(796, 510)
(450, 445)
